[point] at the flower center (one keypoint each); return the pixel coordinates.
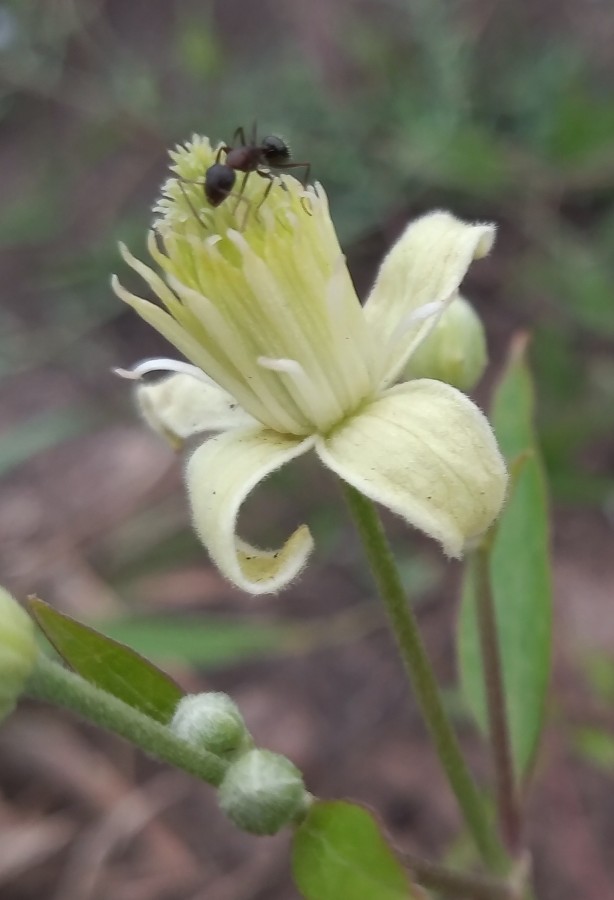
(262, 285)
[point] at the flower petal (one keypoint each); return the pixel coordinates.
(418, 279)
(179, 406)
(220, 475)
(426, 452)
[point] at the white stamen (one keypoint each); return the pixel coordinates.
(238, 240)
(209, 245)
(422, 312)
(163, 365)
(290, 366)
(307, 390)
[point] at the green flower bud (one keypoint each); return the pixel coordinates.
(262, 792)
(213, 722)
(18, 652)
(455, 351)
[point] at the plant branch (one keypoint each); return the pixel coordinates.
(458, 884)
(422, 679)
(498, 728)
(51, 682)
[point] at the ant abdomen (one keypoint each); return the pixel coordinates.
(219, 182)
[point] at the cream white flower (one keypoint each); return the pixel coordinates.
(283, 359)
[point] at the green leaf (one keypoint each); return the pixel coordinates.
(208, 642)
(596, 746)
(520, 576)
(339, 851)
(107, 664)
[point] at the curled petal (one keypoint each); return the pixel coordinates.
(426, 452)
(418, 279)
(220, 475)
(180, 406)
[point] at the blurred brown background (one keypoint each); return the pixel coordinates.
(496, 110)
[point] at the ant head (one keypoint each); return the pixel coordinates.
(219, 182)
(275, 150)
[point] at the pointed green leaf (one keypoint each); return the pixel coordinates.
(108, 664)
(520, 574)
(339, 852)
(207, 641)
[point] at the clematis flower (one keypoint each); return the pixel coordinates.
(283, 359)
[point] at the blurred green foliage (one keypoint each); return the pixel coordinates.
(596, 746)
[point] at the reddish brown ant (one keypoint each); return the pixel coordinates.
(272, 152)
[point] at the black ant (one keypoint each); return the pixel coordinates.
(256, 156)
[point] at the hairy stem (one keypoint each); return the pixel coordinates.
(51, 682)
(500, 745)
(457, 884)
(422, 679)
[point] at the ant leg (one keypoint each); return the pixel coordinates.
(222, 149)
(298, 165)
(241, 190)
(189, 202)
(248, 205)
(266, 193)
(239, 133)
(239, 196)
(305, 201)
(271, 179)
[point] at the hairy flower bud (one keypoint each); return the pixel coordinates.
(262, 792)
(18, 651)
(213, 722)
(455, 351)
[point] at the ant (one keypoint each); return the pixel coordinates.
(256, 156)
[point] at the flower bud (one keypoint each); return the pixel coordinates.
(18, 651)
(212, 722)
(455, 351)
(262, 792)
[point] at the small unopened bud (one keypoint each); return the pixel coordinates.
(262, 792)
(18, 652)
(212, 722)
(455, 351)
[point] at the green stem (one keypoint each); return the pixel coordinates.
(53, 683)
(418, 668)
(501, 751)
(457, 884)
